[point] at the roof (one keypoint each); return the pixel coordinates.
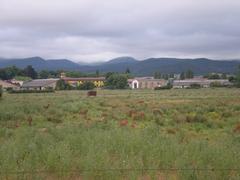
(39, 83)
(201, 81)
(146, 79)
(84, 79)
(6, 84)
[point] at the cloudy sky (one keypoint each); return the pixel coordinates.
(98, 30)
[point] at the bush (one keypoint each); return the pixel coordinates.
(1, 91)
(9, 89)
(31, 91)
(86, 86)
(169, 86)
(62, 85)
(195, 86)
(195, 118)
(116, 81)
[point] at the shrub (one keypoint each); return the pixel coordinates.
(31, 91)
(1, 91)
(169, 86)
(86, 86)
(195, 118)
(216, 84)
(61, 85)
(180, 118)
(195, 86)
(116, 81)
(9, 89)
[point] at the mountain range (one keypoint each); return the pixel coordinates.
(145, 67)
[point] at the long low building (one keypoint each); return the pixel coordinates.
(146, 83)
(40, 84)
(205, 83)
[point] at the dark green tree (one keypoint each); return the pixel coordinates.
(127, 71)
(117, 81)
(86, 86)
(182, 76)
(1, 91)
(30, 72)
(213, 76)
(10, 72)
(189, 74)
(97, 73)
(61, 85)
(224, 76)
(238, 77)
(44, 74)
(157, 75)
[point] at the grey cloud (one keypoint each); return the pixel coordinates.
(91, 30)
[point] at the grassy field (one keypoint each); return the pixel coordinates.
(172, 134)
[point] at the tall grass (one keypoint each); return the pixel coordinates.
(178, 135)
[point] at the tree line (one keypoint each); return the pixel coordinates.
(30, 73)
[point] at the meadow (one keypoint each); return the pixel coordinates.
(142, 134)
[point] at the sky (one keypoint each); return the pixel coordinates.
(99, 30)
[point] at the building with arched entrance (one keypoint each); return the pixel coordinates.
(146, 83)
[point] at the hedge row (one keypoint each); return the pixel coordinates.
(31, 91)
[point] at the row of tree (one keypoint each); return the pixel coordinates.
(13, 71)
(187, 75)
(184, 75)
(216, 76)
(159, 75)
(29, 72)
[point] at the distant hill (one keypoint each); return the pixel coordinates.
(122, 60)
(40, 64)
(140, 68)
(165, 65)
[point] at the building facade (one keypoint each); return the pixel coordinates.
(146, 83)
(8, 85)
(202, 82)
(75, 82)
(40, 84)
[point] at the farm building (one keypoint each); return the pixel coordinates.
(40, 84)
(205, 83)
(97, 81)
(8, 85)
(146, 83)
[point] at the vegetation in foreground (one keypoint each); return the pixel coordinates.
(174, 134)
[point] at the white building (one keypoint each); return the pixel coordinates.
(146, 83)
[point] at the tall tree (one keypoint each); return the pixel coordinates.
(10, 72)
(157, 75)
(97, 73)
(117, 81)
(238, 77)
(44, 74)
(127, 71)
(30, 72)
(189, 74)
(182, 76)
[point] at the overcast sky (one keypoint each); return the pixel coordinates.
(98, 30)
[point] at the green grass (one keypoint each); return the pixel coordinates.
(175, 134)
